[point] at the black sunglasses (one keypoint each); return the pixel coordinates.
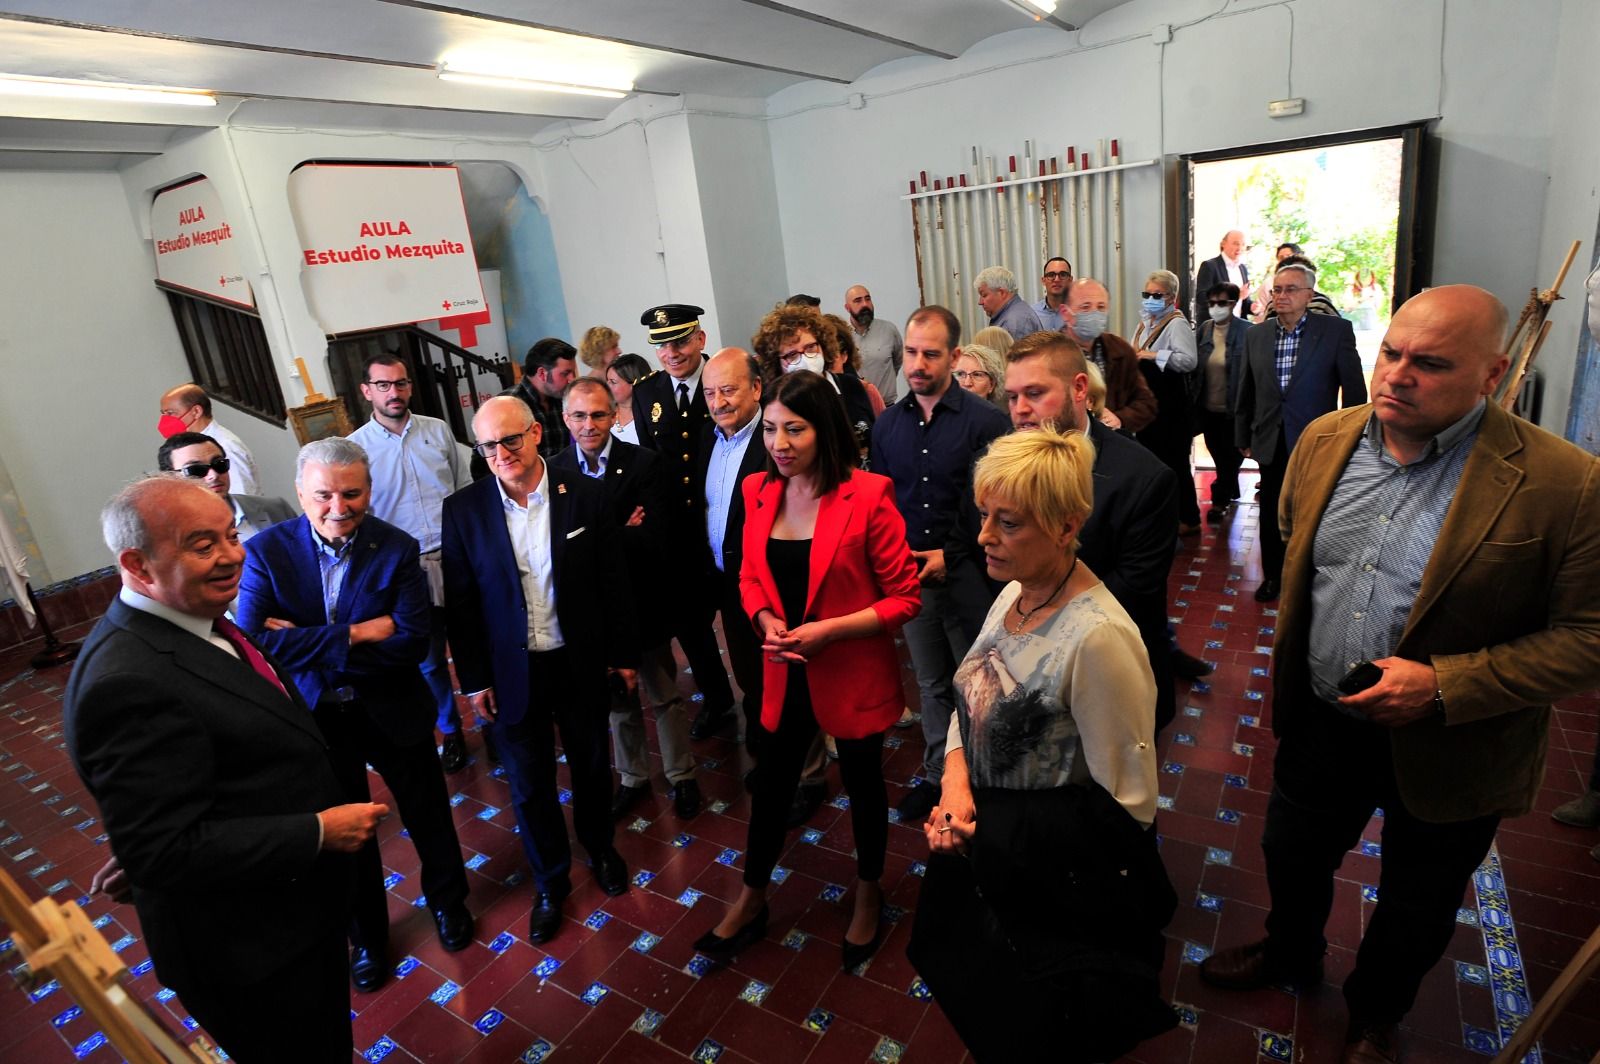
(1221, 302)
(197, 470)
(1154, 295)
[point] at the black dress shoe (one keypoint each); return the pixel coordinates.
(686, 799)
(611, 872)
(369, 968)
(1188, 666)
(1250, 967)
(1214, 515)
(918, 803)
(626, 798)
(854, 954)
(710, 721)
(806, 800)
(546, 918)
(723, 949)
(453, 754)
(1267, 591)
(455, 927)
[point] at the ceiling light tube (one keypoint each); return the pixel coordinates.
(24, 85)
(510, 81)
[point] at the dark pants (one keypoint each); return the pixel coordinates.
(699, 642)
(1218, 429)
(436, 670)
(1328, 777)
(744, 655)
(1594, 774)
(782, 756)
(1267, 494)
(1173, 444)
(577, 706)
(414, 777)
(300, 1011)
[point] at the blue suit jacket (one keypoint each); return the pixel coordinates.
(282, 578)
(488, 616)
(1325, 365)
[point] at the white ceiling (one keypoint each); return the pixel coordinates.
(373, 62)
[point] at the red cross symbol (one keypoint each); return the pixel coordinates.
(466, 325)
(445, 304)
(223, 281)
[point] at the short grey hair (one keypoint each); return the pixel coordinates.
(333, 451)
(593, 384)
(1166, 279)
(996, 278)
(1309, 271)
(123, 523)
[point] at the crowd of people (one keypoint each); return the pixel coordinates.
(1010, 507)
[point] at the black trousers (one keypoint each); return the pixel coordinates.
(1218, 430)
(1268, 493)
(300, 1012)
(744, 655)
(698, 639)
(1170, 440)
(1330, 774)
(578, 707)
(779, 762)
(416, 780)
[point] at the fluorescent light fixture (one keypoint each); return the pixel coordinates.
(1035, 9)
(58, 88)
(614, 89)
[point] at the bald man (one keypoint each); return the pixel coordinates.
(187, 408)
(1438, 596)
(879, 342)
(1226, 268)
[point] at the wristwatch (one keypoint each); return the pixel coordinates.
(1438, 701)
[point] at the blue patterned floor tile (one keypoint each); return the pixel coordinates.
(593, 994)
(1275, 1046)
(489, 1021)
(706, 1052)
(647, 1023)
(1218, 856)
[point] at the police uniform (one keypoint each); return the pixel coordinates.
(677, 434)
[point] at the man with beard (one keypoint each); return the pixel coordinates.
(1054, 310)
(882, 351)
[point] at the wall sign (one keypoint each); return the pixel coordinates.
(195, 243)
(383, 245)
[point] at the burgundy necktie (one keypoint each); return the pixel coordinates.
(235, 635)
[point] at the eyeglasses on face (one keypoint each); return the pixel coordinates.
(1288, 290)
(1219, 302)
(197, 470)
(403, 385)
(1154, 295)
(512, 443)
(1057, 275)
(579, 417)
(790, 357)
(964, 375)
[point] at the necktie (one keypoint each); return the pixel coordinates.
(683, 398)
(235, 635)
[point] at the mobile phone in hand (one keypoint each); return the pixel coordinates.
(1360, 678)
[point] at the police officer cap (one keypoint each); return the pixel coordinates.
(671, 321)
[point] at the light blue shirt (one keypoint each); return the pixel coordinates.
(1372, 545)
(335, 563)
(722, 481)
(1049, 317)
(1019, 319)
(412, 472)
(602, 460)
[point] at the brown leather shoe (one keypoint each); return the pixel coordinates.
(1250, 968)
(1375, 1043)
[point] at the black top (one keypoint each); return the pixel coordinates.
(790, 561)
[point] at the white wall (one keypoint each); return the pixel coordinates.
(88, 346)
(1358, 63)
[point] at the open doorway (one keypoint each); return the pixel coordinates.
(1348, 201)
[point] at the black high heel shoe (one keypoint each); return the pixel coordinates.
(718, 948)
(855, 954)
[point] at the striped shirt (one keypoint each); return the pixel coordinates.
(1284, 351)
(1372, 545)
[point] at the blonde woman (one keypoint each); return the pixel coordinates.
(981, 371)
(600, 347)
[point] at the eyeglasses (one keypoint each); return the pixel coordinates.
(579, 417)
(1057, 275)
(512, 443)
(1284, 290)
(197, 470)
(964, 375)
(1219, 302)
(790, 357)
(1154, 295)
(403, 385)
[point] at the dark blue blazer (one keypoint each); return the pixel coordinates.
(1325, 365)
(487, 614)
(1212, 272)
(282, 578)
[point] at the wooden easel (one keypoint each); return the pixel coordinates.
(1522, 346)
(58, 942)
(1584, 964)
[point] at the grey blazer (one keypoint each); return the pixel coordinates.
(1326, 367)
(263, 510)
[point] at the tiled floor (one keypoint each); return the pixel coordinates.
(621, 981)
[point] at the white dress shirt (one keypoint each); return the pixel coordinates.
(412, 472)
(529, 529)
(199, 627)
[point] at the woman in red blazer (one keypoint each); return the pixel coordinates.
(827, 578)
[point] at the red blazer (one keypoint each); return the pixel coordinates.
(859, 559)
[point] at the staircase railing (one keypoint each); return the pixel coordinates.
(439, 367)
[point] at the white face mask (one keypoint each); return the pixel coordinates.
(1221, 314)
(815, 363)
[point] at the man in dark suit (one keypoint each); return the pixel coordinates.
(636, 497)
(223, 808)
(672, 417)
(1132, 533)
(1226, 268)
(1468, 543)
(531, 587)
(200, 457)
(340, 599)
(1297, 368)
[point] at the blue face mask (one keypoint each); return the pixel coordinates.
(1089, 324)
(1153, 307)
